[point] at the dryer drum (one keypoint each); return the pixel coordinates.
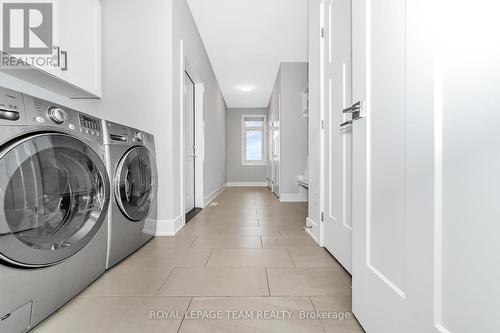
(54, 194)
(135, 183)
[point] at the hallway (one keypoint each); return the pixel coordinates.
(245, 252)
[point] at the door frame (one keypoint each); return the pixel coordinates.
(276, 113)
(199, 92)
(195, 117)
(322, 96)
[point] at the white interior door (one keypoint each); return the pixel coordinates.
(189, 145)
(337, 155)
(270, 151)
(426, 163)
(276, 149)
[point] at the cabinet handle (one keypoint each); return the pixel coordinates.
(65, 54)
(58, 49)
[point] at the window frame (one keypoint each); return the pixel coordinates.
(244, 130)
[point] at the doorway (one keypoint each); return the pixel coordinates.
(275, 148)
(189, 148)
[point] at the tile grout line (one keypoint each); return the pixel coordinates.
(168, 277)
(184, 317)
(267, 280)
(316, 310)
(194, 240)
(209, 256)
(291, 258)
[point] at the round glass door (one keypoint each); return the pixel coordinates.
(135, 183)
(54, 194)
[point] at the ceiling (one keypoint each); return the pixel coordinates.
(247, 39)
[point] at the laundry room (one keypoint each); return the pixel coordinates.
(249, 166)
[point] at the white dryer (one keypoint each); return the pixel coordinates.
(54, 195)
(132, 216)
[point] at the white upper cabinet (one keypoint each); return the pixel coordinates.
(75, 30)
(79, 37)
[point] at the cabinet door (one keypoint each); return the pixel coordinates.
(78, 33)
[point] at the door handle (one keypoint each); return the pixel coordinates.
(358, 112)
(349, 123)
(355, 107)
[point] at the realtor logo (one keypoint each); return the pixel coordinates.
(27, 28)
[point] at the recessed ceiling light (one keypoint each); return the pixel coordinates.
(246, 87)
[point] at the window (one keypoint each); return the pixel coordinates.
(253, 140)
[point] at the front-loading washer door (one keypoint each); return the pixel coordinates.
(54, 194)
(135, 183)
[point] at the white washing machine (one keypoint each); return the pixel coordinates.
(54, 196)
(132, 216)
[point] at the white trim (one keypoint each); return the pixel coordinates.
(293, 197)
(321, 119)
(182, 193)
(314, 224)
(254, 164)
(263, 161)
(209, 198)
(246, 184)
(311, 234)
(169, 227)
(199, 91)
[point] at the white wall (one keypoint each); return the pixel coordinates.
(293, 153)
(136, 89)
(137, 80)
(141, 88)
(292, 80)
(214, 107)
(236, 172)
(314, 117)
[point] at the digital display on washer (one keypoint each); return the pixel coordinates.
(90, 123)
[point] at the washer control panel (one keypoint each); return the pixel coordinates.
(11, 106)
(90, 125)
(57, 115)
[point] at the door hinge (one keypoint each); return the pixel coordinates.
(322, 32)
(322, 217)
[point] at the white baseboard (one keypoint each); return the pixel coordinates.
(293, 197)
(309, 232)
(209, 198)
(169, 227)
(246, 184)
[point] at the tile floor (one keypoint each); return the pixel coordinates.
(234, 268)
